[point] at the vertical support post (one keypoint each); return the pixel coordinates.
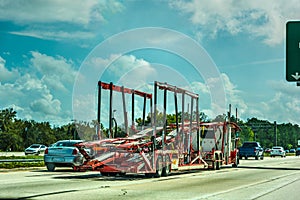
(228, 141)
(110, 108)
(176, 112)
(190, 130)
(151, 112)
(182, 123)
(155, 111)
(153, 137)
(125, 111)
(132, 109)
(144, 111)
(99, 103)
(275, 132)
(98, 131)
(198, 126)
(236, 115)
(165, 118)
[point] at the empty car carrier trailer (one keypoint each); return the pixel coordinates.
(161, 148)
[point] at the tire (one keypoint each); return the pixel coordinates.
(104, 173)
(213, 165)
(159, 167)
(237, 162)
(256, 157)
(108, 173)
(50, 167)
(217, 163)
(167, 169)
(235, 165)
(149, 175)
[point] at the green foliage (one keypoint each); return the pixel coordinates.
(265, 132)
(20, 157)
(16, 134)
(11, 165)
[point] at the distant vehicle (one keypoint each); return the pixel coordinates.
(287, 151)
(277, 151)
(251, 149)
(63, 154)
(292, 150)
(35, 149)
(267, 150)
(298, 151)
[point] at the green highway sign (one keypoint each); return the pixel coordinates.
(293, 51)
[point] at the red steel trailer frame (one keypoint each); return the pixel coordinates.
(156, 151)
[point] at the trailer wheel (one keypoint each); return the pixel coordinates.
(159, 167)
(237, 162)
(167, 169)
(108, 173)
(217, 162)
(213, 165)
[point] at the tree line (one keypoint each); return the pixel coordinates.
(17, 134)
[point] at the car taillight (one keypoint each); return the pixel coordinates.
(46, 151)
(75, 151)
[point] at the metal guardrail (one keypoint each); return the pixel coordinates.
(21, 160)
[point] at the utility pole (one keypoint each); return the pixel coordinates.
(275, 132)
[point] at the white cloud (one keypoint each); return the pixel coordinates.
(283, 106)
(43, 93)
(58, 19)
(70, 11)
(46, 106)
(32, 98)
(57, 73)
(130, 67)
(265, 20)
(5, 74)
(233, 97)
(55, 35)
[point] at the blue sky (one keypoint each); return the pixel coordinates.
(53, 52)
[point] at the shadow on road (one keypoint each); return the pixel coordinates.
(127, 177)
(269, 168)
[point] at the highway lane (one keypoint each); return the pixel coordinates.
(254, 179)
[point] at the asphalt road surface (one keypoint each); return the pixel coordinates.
(271, 178)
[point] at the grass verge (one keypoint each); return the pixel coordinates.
(11, 165)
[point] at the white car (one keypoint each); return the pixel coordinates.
(277, 151)
(35, 149)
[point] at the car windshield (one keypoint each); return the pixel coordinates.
(277, 148)
(65, 144)
(249, 145)
(35, 146)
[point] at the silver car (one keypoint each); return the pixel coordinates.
(63, 154)
(277, 151)
(35, 149)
